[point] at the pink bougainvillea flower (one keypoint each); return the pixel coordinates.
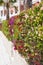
(15, 48)
(36, 63)
(20, 47)
(11, 31)
(11, 21)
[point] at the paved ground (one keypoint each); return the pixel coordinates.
(8, 56)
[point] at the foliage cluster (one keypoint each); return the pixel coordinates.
(26, 32)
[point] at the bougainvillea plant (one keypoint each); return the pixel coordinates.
(26, 32)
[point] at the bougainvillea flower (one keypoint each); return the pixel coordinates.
(11, 21)
(15, 48)
(20, 47)
(41, 8)
(11, 31)
(36, 63)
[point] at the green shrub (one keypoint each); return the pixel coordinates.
(28, 33)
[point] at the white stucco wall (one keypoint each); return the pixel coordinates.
(34, 1)
(2, 8)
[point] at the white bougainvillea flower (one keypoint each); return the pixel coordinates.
(26, 16)
(41, 8)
